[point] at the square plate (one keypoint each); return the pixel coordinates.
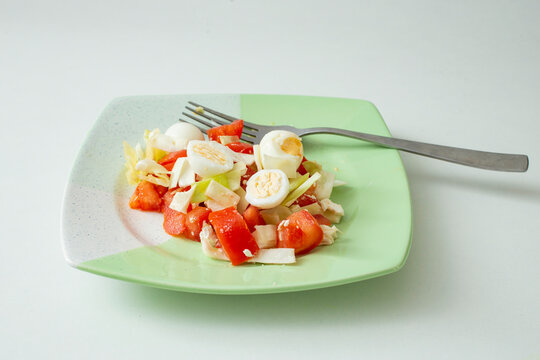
(102, 235)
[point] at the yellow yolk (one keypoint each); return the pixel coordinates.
(280, 149)
(209, 158)
(265, 185)
(292, 146)
(267, 188)
(210, 153)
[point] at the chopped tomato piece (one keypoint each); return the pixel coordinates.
(162, 190)
(300, 231)
(174, 222)
(194, 222)
(145, 197)
(241, 147)
(168, 160)
(233, 129)
(322, 220)
(168, 196)
(307, 198)
(253, 217)
(249, 172)
(301, 169)
(134, 201)
(233, 234)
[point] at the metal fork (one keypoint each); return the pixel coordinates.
(253, 133)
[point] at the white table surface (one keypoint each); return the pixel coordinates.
(456, 73)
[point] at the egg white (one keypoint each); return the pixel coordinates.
(185, 131)
(273, 156)
(209, 158)
(263, 195)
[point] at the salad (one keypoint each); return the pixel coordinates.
(263, 203)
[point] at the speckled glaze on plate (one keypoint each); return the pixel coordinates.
(103, 236)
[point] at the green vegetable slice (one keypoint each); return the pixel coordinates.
(295, 183)
(200, 187)
(235, 175)
(312, 166)
(233, 178)
(301, 189)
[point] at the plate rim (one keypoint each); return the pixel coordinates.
(216, 288)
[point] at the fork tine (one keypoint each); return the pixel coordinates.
(249, 132)
(202, 128)
(245, 137)
(218, 121)
(248, 124)
(201, 121)
(217, 113)
(248, 139)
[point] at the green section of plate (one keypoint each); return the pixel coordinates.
(376, 229)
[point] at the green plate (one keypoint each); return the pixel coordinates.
(103, 236)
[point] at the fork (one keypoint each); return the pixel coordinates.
(253, 133)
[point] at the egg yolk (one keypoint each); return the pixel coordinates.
(265, 185)
(292, 146)
(210, 153)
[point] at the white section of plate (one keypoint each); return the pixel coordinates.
(96, 218)
(91, 230)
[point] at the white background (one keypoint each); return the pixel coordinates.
(457, 73)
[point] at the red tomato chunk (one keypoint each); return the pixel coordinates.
(146, 197)
(307, 198)
(174, 222)
(244, 179)
(253, 217)
(233, 129)
(168, 160)
(301, 169)
(233, 234)
(194, 222)
(241, 147)
(168, 196)
(300, 231)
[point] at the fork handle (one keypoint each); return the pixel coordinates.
(474, 158)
